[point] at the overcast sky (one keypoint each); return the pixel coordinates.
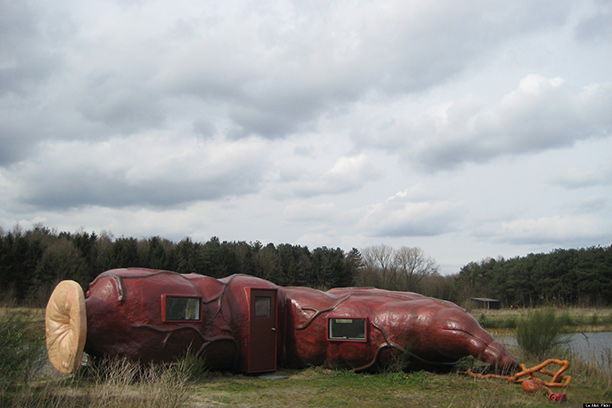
(469, 129)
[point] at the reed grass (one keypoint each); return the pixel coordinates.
(539, 334)
(21, 350)
(116, 383)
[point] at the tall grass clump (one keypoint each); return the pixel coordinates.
(539, 333)
(113, 383)
(192, 367)
(21, 350)
(594, 369)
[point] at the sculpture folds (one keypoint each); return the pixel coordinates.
(248, 324)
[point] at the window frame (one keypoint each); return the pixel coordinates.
(164, 304)
(270, 311)
(366, 327)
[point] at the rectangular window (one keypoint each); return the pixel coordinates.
(182, 308)
(263, 306)
(347, 329)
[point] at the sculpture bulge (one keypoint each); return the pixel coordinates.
(247, 324)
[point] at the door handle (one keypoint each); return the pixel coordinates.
(274, 329)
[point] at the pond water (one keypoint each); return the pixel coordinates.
(587, 346)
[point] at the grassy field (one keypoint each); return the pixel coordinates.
(119, 386)
(574, 319)
(327, 388)
(316, 387)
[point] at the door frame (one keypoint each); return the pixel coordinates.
(250, 299)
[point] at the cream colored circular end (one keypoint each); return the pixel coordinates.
(66, 326)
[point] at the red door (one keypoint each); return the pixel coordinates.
(263, 332)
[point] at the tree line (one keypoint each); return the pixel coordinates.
(561, 277)
(33, 261)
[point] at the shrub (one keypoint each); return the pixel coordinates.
(539, 333)
(21, 349)
(565, 319)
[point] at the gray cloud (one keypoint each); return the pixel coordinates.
(28, 121)
(144, 171)
(142, 66)
(284, 77)
(29, 48)
(348, 173)
(30, 53)
(121, 105)
(567, 230)
(16, 143)
(592, 205)
(597, 26)
(540, 114)
(310, 213)
(574, 178)
(400, 216)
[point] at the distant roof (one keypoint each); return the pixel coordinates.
(485, 300)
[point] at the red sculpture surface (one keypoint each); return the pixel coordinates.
(248, 324)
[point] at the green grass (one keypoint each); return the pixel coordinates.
(313, 387)
(122, 384)
(316, 387)
(21, 349)
(112, 383)
(572, 319)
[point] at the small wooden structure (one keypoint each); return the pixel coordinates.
(486, 303)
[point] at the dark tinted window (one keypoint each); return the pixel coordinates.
(182, 308)
(263, 306)
(347, 329)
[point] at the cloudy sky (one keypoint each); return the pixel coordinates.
(469, 129)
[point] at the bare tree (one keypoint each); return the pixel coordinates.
(401, 269)
(378, 260)
(413, 265)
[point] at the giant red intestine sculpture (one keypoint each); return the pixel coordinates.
(248, 324)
